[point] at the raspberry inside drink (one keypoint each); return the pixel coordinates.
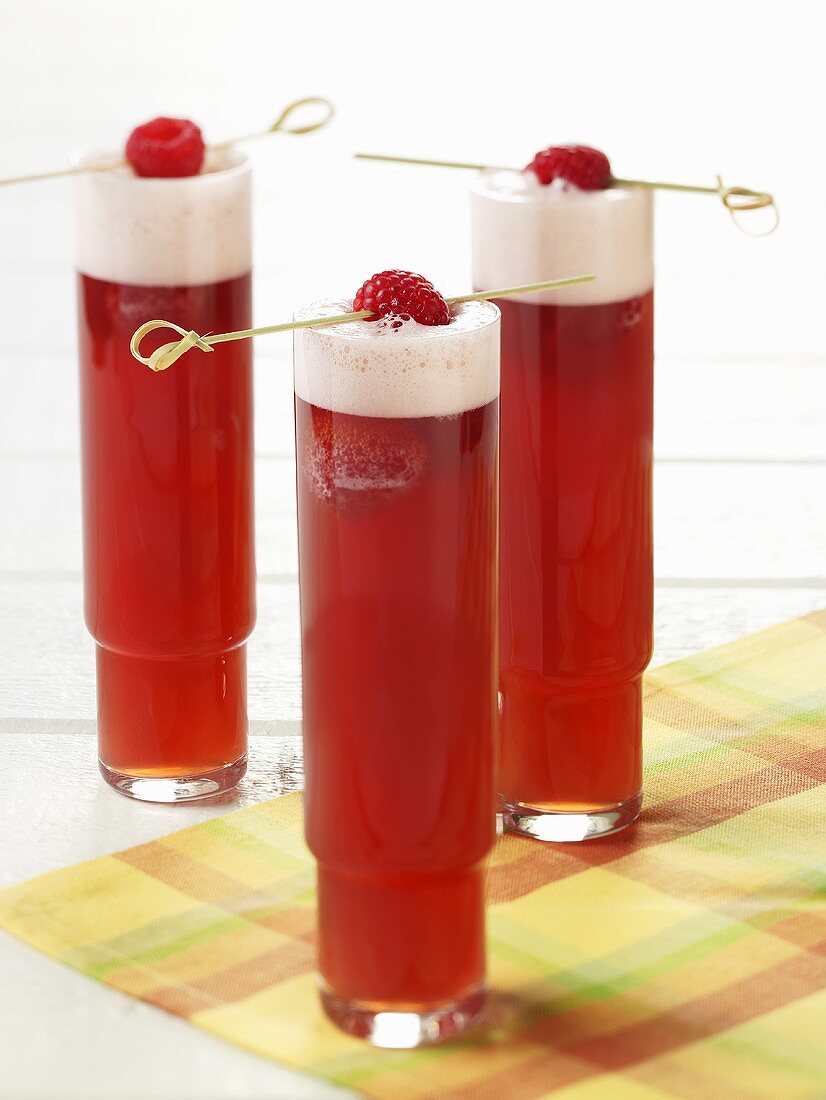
(397, 541)
(167, 481)
(575, 529)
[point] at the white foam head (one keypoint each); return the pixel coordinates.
(524, 232)
(166, 232)
(369, 368)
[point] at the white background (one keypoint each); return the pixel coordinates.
(669, 91)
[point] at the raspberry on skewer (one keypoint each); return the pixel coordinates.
(402, 294)
(580, 165)
(166, 148)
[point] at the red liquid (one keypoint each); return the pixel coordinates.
(168, 537)
(576, 550)
(397, 541)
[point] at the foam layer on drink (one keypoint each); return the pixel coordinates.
(165, 232)
(524, 232)
(370, 368)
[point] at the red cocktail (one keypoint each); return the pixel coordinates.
(167, 478)
(396, 434)
(575, 534)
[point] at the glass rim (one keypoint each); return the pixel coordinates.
(349, 330)
(238, 165)
(547, 195)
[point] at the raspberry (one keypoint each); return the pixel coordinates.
(402, 294)
(356, 463)
(631, 313)
(580, 165)
(166, 147)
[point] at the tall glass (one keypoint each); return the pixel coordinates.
(576, 537)
(167, 477)
(396, 435)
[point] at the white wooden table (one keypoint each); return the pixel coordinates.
(741, 393)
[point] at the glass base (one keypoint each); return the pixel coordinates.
(397, 1029)
(182, 788)
(563, 827)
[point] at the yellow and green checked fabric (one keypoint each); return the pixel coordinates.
(681, 958)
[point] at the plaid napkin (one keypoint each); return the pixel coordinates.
(681, 958)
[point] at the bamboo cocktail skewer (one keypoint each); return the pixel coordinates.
(729, 196)
(279, 126)
(168, 354)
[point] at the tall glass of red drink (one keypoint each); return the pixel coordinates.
(396, 434)
(167, 477)
(575, 531)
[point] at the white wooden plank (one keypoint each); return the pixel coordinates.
(732, 520)
(48, 660)
(41, 409)
(689, 619)
(66, 770)
(49, 666)
(76, 1039)
(274, 666)
(760, 407)
(41, 404)
(729, 519)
